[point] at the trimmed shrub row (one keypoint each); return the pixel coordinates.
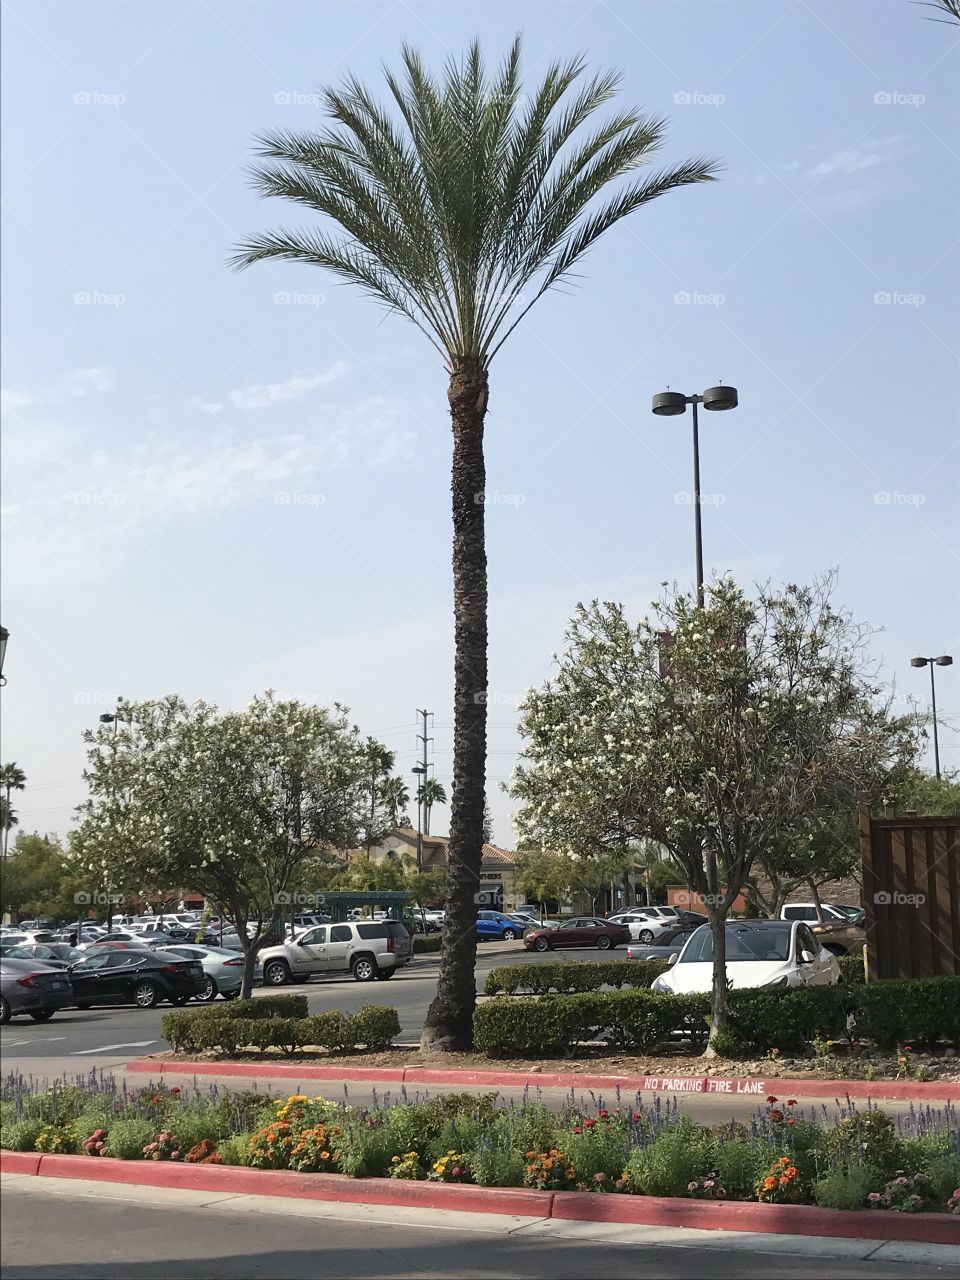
(918, 1010)
(572, 975)
(199, 1030)
(426, 943)
(851, 968)
(264, 1007)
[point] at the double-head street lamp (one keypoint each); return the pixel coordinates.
(668, 404)
(944, 660)
(111, 717)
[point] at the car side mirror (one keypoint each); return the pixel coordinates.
(807, 957)
(674, 958)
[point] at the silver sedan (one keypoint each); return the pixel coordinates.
(222, 967)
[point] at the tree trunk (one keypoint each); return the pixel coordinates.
(250, 949)
(449, 1021)
(718, 1018)
(816, 899)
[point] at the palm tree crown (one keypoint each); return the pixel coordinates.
(464, 216)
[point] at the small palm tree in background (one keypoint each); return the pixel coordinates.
(12, 778)
(429, 793)
(459, 209)
(395, 796)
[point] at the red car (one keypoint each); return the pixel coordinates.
(586, 931)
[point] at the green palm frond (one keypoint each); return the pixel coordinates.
(950, 8)
(464, 204)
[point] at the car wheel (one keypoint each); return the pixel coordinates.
(84, 1006)
(4, 1012)
(541, 944)
(42, 1015)
(509, 935)
(179, 1001)
(364, 968)
(604, 942)
(231, 995)
(383, 974)
(145, 995)
(645, 935)
(208, 993)
(276, 973)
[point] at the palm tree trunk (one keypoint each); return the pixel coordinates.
(449, 1021)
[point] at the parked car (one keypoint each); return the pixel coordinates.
(53, 955)
(652, 929)
(666, 945)
(582, 931)
(32, 988)
(27, 937)
(135, 975)
(759, 953)
(496, 924)
(808, 911)
(222, 968)
(843, 938)
(366, 948)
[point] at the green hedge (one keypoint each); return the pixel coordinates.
(918, 1010)
(213, 1028)
(266, 1007)
(425, 943)
(851, 968)
(633, 1019)
(572, 975)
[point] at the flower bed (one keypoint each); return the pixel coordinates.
(838, 1158)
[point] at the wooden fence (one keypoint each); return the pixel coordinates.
(911, 895)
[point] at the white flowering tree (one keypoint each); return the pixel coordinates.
(233, 804)
(718, 732)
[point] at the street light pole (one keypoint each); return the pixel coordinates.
(114, 718)
(421, 771)
(668, 404)
(944, 660)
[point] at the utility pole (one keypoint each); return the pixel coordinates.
(425, 764)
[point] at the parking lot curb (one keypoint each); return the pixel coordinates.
(702, 1086)
(875, 1224)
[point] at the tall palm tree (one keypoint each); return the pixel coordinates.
(395, 795)
(379, 763)
(12, 778)
(460, 215)
(429, 793)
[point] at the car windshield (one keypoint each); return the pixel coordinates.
(770, 942)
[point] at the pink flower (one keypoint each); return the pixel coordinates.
(709, 1183)
(873, 1197)
(455, 1171)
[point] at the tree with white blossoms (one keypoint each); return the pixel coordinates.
(232, 804)
(718, 732)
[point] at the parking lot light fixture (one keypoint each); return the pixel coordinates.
(944, 660)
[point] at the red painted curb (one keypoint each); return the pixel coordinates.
(928, 1228)
(702, 1086)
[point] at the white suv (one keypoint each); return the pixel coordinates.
(367, 949)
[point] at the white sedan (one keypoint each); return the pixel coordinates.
(760, 953)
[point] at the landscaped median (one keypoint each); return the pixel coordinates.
(847, 1173)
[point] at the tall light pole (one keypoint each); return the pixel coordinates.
(111, 717)
(945, 660)
(4, 637)
(668, 404)
(421, 771)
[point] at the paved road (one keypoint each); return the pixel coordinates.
(56, 1229)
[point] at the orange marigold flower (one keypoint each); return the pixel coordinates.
(776, 1114)
(769, 1183)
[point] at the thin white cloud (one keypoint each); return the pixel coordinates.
(84, 382)
(266, 396)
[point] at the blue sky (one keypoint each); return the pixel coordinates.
(218, 483)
